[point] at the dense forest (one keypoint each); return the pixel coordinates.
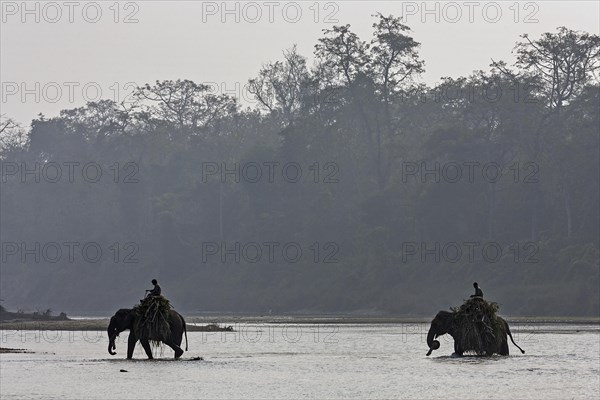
(349, 187)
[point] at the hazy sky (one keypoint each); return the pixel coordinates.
(57, 55)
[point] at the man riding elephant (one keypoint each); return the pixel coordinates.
(478, 291)
(156, 291)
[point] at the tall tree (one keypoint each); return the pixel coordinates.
(281, 87)
(564, 63)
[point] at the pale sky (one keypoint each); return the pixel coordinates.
(47, 66)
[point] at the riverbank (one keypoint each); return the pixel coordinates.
(208, 324)
(363, 319)
(87, 325)
(5, 350)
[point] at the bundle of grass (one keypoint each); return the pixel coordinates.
(152, 320)
(478, 328)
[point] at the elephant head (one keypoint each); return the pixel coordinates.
(441, 324)
(122, 320)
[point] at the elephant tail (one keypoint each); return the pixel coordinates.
(511, 338)
(185, 332)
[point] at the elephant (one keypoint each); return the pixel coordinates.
(125, 319)
(444, 323)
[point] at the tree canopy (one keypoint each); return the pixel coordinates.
(379, 181)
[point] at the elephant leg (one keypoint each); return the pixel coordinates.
(147, 348)
(131, 345)
(176, 336)
(504, 347)
(177, 340)
(457, 350)
(175, 346)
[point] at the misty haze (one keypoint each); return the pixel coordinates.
(324, 194)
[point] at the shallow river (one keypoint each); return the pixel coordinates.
(304, 361)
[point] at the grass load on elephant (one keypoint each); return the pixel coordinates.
(479, 328)
(152, 319)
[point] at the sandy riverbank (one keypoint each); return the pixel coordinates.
(84, 325)
(349, 319)
(209, 323)
(4, 350)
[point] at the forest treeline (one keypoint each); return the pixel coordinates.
(349, 187)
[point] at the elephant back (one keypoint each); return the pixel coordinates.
(152, 319)
(477, 328)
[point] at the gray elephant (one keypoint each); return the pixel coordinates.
(444, 322)
(125, 319)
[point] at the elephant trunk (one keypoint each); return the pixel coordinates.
(433, 344)
(112, 335)
(111, 346)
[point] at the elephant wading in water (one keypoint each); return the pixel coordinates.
(445, 322)
(125, 319)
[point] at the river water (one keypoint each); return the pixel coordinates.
(304, 361)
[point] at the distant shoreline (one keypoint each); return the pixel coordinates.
(219, 323)
(363, 319)
(86, 325)
(6, 350)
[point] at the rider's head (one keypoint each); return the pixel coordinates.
(475, 285)
(154, 282)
